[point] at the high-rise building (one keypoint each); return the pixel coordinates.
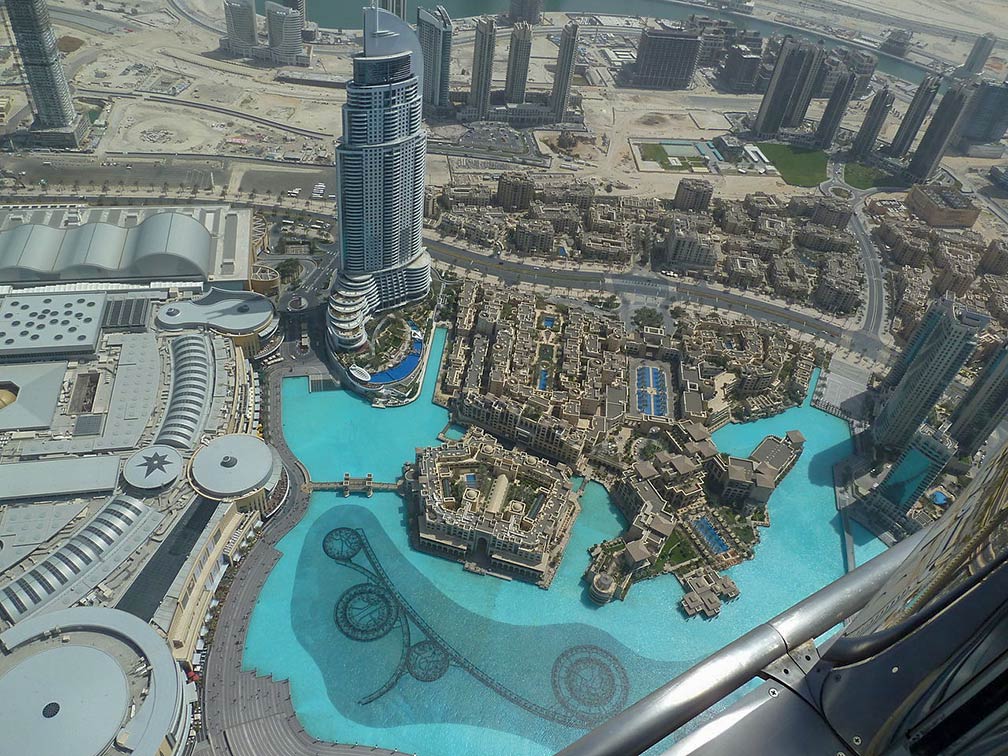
(529, 11)
(897, 43)
(482, 70)
(518, 62)
(395, 7)
(916, 469)
(666, 59)
(740, 68)
(381, 162)
(301, 6)
(829, 124)
(871, 127)
(435, 30)
(693, 194)
(984, 406)
(283, 29)
(944, 125)
(564, 75)
(936, 354)
(791, 87)
(986, 118)
(240, 17)
(915, 115)
(51, 101)
(982, 49)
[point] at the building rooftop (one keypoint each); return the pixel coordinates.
(36, 390)
(85, 682)
(153, 467)
(39, 325)
(79, 243)
(232, 465)
(232, 312)
(53, 478)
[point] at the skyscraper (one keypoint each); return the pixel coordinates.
(518, 62)
(740, 68)
(301, 6)
(240, 17)
(829, 124)
(381, 162)
(36, 47)
(984, 406)
(666, 59)
(940, 131)
(435, 30)
(914, 117)
(529, 11)
(564, 75)
(937, 353)
(871, 127)
(919, 464)
(986, 118)
(395, 7)
(482, 71)
(791, 87)
(982, 49)
(283, 28)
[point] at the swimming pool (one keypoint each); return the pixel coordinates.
(388, 646)
(711, 537)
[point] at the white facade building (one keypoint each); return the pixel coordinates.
(381, 164)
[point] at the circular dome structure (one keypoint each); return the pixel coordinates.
(232, 466)
(74, 682)
(153, 467)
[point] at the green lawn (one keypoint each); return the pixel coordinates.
(655, 153)
(798, 166)
(862, 176)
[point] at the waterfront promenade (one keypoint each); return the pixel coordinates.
(245, 714)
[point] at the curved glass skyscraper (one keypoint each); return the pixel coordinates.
(381, 164)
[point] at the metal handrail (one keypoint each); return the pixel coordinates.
(662, 712)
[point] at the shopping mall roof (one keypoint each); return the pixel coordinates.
(45, 325)
(153, 467)
(69, 687)
(81, 243)
(232, 466)
(229, 312)
(36, 388)
(57, 478)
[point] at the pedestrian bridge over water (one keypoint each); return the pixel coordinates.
(348, 485)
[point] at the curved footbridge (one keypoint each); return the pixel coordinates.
(350, 485)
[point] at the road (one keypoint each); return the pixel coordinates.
(512, 272)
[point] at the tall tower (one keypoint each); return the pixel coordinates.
(915, 115)
(482, 73)
(301, 6)
(666, 58)
(982, 49)
(920, 463)
(381, 164)
(829, 125)
(435, 30)
(518, 62)
(36, 47)
(871, 127)
(529, 11)
(564, 74)
(984, 406)
(986, 118)
(938, 354)
(791, 86)
(283, 28)
(942, 128)
(240, 17)
(395, 7)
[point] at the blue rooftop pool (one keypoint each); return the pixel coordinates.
(387, 646)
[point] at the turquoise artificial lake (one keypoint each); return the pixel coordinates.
(386, 646)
